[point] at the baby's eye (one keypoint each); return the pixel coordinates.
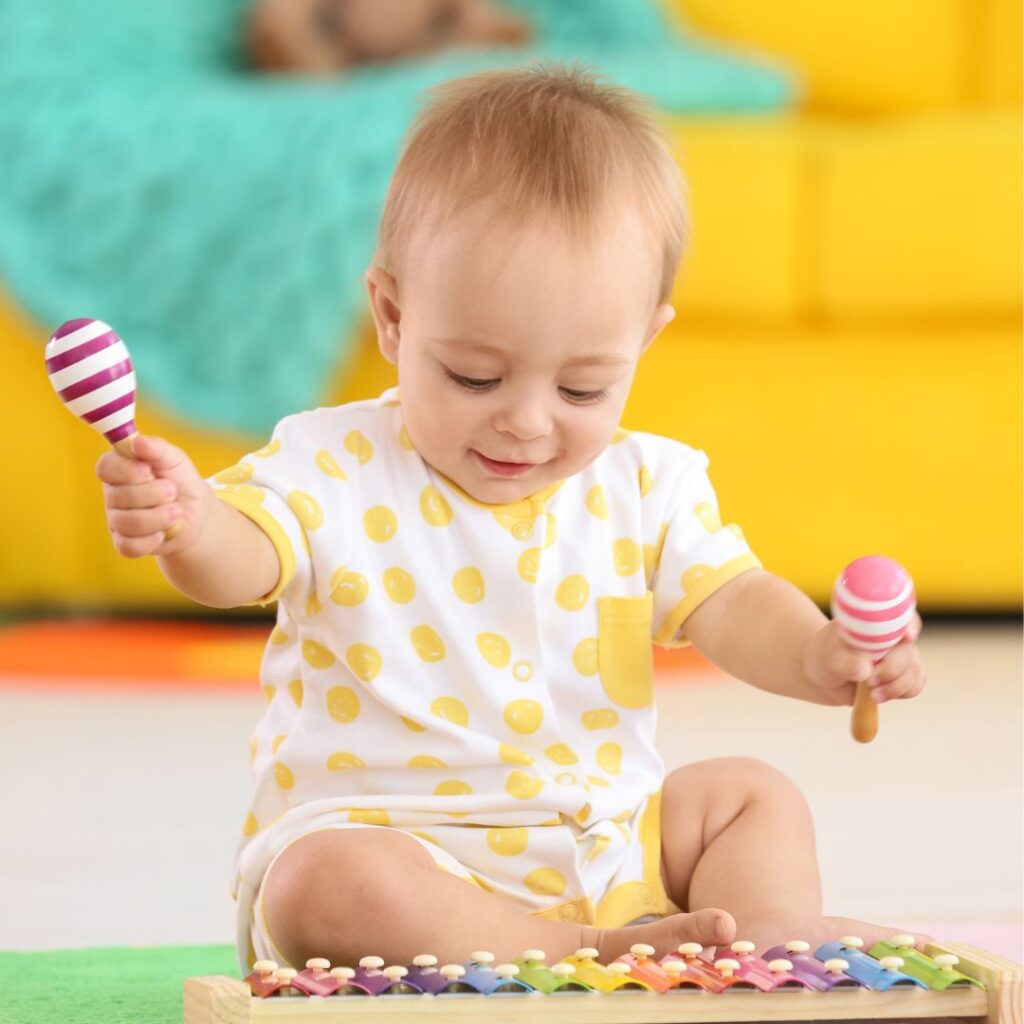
(472, 383)
(583, 397)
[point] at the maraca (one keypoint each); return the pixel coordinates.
(872, 604)
(91, 371)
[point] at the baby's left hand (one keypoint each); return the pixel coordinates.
(834, 668)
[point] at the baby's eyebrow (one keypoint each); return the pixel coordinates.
(480, 346)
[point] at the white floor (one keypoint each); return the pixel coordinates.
(120, 812)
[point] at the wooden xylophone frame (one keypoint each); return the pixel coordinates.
(223, 1000)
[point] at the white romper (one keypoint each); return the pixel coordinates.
(478, 676)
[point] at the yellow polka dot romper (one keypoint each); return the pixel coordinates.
(478, 676)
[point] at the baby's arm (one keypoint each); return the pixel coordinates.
(219, 557)
(757, 627)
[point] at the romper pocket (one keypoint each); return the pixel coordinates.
(625, 657)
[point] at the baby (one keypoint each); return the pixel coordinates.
(458, 748)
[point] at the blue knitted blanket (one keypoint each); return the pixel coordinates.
(221, 220)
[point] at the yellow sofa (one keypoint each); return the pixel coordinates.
(847, 349)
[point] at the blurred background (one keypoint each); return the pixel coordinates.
(206, 176)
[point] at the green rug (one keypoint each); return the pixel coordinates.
(104, 986)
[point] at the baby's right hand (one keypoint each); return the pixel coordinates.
(149, 494)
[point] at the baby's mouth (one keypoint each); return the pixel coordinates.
(496, 467)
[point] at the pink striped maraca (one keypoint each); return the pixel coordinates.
(91, 371)
(873, 605)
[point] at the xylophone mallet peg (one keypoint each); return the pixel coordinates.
(904, 941)
(587, 953)
(690, 949)
(506, 970)
(641, 950)
(851, 942)
(265, 968)
(396, 972)
(371, 963)
(535, 955)
(797, 946)
(673, 966)
(453, 971)
(618, 967)
(727, 966)
(891, 963)
(873, 605)
(743, 947)
(836, 965)
(780, 966)
(343, 974)
(318, 965)
(563, 970)
(91, 371)
(947, 961)
(481, 957)
(424, 960)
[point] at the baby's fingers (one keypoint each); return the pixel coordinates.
(906, 685)
(114, 468)
(899, 676)
(138, 532)
(147, 495)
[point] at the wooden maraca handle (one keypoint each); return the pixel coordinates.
(864, 720)
(124, 447)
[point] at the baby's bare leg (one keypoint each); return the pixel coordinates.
(347, 893)
(736, 833)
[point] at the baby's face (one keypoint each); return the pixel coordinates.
(516, 348)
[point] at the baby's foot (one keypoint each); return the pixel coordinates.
(815, 930)
(709, 927)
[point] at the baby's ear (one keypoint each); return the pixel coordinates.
(660, 319)
(383, 293)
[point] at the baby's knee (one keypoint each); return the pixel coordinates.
(762, 783)
(731, 784)
(325, 881)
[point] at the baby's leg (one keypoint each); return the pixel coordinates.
(736, 833)
(348, 893)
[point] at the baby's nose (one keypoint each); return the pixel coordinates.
(524, 420)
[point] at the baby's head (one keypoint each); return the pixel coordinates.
(528, 246)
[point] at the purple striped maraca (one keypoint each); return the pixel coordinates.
(91, 371)
(873, 605)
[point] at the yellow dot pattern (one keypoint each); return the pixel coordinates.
(524, 716)
(326, 463)
(427, 644)
(468, 584)
(494, 648)
(348, 588)
(434, 507)
(343, 704)
(451, 709)
(573, 593)
(380, 523)
(343, 759)
(399, 585)
(359, 445)
(364, 660)
(584, 657)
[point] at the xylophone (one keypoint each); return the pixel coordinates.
(839, 981)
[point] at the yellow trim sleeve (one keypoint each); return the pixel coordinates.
(665, 637)
(273, 529)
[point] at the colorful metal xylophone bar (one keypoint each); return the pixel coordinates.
(893, 980)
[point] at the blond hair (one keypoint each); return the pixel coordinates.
(548, 139)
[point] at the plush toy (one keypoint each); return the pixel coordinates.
(325, 37)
